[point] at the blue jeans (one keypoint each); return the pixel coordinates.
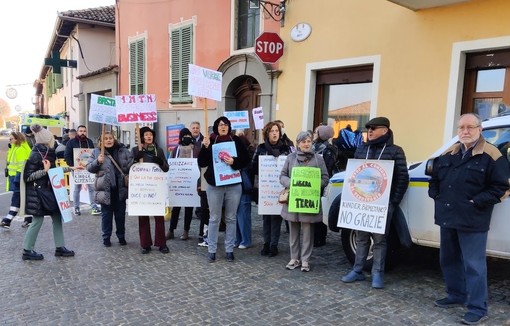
(243, 230)
(76, 195)
(217, 197)
(118, 208)
(464, 265)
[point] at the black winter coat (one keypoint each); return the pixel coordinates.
(148, 157)
(383, 148)
(481, 177)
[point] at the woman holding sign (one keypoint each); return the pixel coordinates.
(109, 189)
(305, 175)
(224, 155)
(35, 174)
(275, 146)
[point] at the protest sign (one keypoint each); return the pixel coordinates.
(136, 108)
(270, 187)
(81, 157)
(223, 173)
(365, 195)
(172, 137)
(238, 119)
(182, 182)
(305, 190)
(258, 117)
(204, 82)
(103, 110)
(58, 184)
(147, 190)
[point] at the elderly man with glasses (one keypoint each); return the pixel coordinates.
(379, 146)
(467, 180)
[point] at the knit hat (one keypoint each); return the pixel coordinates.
(225, 120)
(143, 130)
(325, 132)
(42, 135)
(379, 121)
(302, 136)
(185, 133)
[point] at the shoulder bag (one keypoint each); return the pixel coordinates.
(125, 177)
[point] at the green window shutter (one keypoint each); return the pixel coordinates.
(58, 81)
(137, 67)
(181, 51)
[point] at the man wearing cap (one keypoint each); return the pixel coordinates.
(379, 146)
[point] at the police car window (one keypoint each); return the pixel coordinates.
(499, 137)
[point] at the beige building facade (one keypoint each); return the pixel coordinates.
(348, 61)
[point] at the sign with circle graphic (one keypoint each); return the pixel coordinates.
(365, 195)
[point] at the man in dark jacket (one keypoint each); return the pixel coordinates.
(379, 146)
(80, 141)
(468, 179)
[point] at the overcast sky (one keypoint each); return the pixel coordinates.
(26, 27)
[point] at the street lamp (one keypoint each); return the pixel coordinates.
(275, 10)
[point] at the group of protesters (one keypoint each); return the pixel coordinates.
(224, 202)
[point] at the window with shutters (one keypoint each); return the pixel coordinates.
(181, 40)
(137, 67)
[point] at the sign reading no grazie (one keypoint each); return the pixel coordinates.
(365, 195)
(147, 190)
(136, 108)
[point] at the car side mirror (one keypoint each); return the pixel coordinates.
(429, 167)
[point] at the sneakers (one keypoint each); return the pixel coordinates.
(31, 255)
(293, 264)
(203, 242)
(77, 211)
(305, 267)
(353, 276)
(448, 303)
(63, 252)
(242, 246)
(6, 223)
(472, 319)
(95, 211)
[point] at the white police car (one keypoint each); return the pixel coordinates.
(413, 222)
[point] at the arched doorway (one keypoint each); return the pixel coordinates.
(247, 98)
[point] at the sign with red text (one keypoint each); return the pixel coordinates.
(365, 195)
(58, 184)
(81, 157)
(204, 82)
(182, 182)
(136, 108)
(258, 117)
(103, 110)
(269, 47)
(270, 168)
(147, 190)
(223, 173)
(238, 119)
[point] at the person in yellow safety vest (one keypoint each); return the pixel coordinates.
(18, 153)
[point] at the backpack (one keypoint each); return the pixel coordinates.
(330, 154)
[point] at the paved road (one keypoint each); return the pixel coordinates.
(120, 286)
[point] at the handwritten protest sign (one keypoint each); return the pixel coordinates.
(147, 190)
(204, 82)
(258, 117)
(136, 108)
(238, 119)
(182, 182)
(270, 168)
(58, 184)
(365, 195)
(102, 110)
(305, 190)
(223, 173)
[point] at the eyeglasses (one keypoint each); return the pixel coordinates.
(375, 127)
(221, 124)
(468, 128)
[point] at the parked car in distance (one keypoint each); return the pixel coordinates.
(5, 132)
(413, 222)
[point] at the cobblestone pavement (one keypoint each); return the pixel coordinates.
(120, 286)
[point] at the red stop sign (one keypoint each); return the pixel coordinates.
(269, 47)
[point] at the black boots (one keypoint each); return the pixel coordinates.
(273, 251)
(265, 250)
(63, 252)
